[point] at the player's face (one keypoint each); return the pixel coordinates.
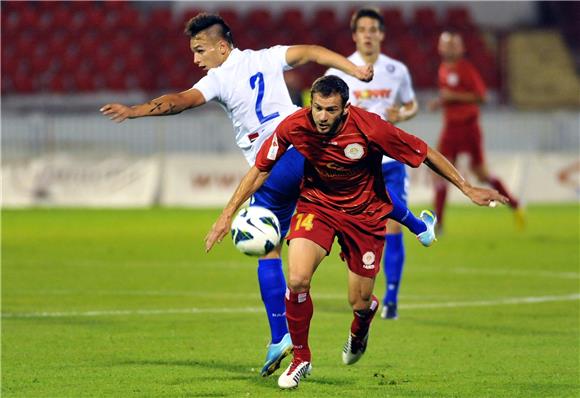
(450, 46)
(207, 51)
(327, 113)
(368, 36)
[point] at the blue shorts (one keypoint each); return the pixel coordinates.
(282, 188)
(396, 180)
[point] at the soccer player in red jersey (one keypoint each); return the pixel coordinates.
(461, 90)
(342, 195)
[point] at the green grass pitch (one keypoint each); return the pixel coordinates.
(125, 303)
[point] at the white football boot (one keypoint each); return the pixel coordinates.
(354, 348)
(291, 377)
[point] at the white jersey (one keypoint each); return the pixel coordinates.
(250, 87)
(391, 85)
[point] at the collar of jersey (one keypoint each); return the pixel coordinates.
(234, 54)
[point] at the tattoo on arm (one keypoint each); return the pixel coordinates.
(156, 107)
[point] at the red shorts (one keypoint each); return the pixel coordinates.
(361, 242)
(462, 138)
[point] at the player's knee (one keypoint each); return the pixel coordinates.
(299, 283)
(394, 228)
(361, 301)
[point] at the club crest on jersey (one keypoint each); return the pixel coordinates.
(390, 68)
(368, 260)
(354, 151)
(452, 79)
(273, 151)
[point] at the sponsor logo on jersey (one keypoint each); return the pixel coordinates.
(354, 151)
(453, 79)
(368, 260)
(273, 151)
(371, 94)
(253, 136)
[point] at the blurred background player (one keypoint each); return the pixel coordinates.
(250, 87)
(340, 197)
(390, 95)
(461, 90)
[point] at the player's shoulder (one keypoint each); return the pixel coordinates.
(466, 64)
(363, 118)
(391, 65)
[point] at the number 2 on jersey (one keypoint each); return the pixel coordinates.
(304, 221)
(258, 80)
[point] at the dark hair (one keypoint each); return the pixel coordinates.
(203, 21)
(328, 85)
(369, 13)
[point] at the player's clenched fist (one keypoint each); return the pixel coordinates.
(364, 73)
(117, 112)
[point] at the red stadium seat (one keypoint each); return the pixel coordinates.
(128, 19)
(29, 19)
(459, 18)
(425, 20)
(70, 62)
(24, 46)
(84, 82)
(291, 20)
(394, 22)
(325, 20)
(61, 16)
(40, 63)
(259, 20)
(233, 20)
(116, 82)
(121, 45)
(186, 15)
(89, 44)
(23, 83)
(57, 83)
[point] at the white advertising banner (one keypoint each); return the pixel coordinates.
(192, 180)
(533, 178)
(67, 180)
(209, 180)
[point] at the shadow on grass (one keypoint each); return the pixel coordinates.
(244, 371)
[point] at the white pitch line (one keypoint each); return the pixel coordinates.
(456, 304)
(186, 293)
(526, 273)
(489, 303)
(133, 312)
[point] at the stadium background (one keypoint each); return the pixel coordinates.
(61, 61)
(125, 303)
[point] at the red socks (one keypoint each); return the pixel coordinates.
(498, 186)
(362, 319)
(440, 197)
(298, 314)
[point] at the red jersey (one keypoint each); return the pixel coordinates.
(343, 171)
(461, 76)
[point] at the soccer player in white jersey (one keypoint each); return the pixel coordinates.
(390, 95)
(250, 86)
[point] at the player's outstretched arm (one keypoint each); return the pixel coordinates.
(168, 104)
(480, 196)
(468, 97)
(301, 54)
(404, 112)
(249, 184)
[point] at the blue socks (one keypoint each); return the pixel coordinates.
(273, 289)
(404, 216)
(394, 258)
